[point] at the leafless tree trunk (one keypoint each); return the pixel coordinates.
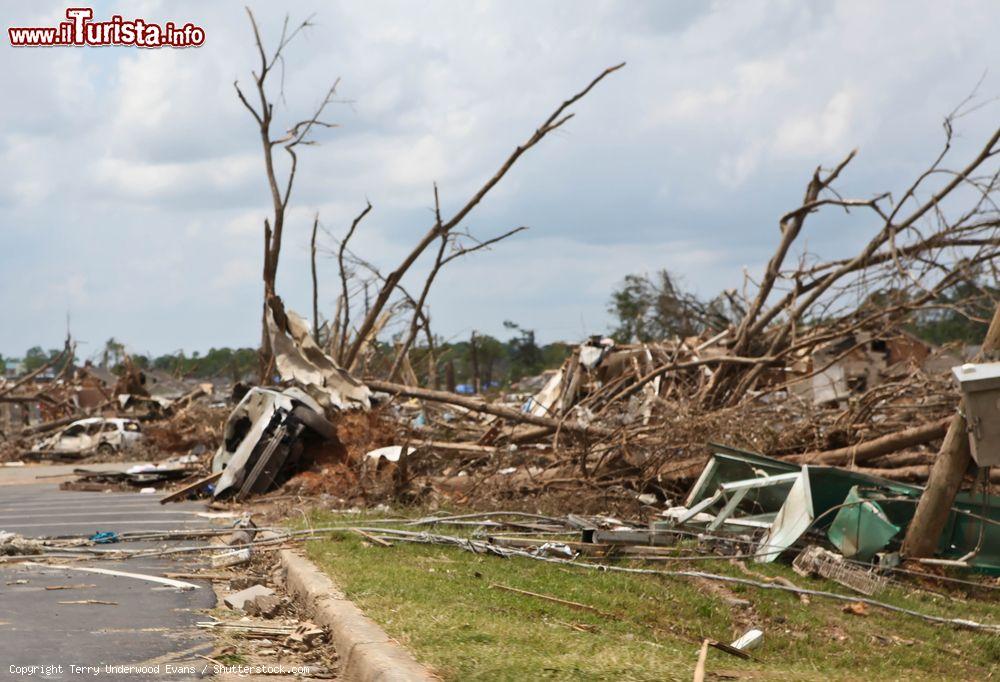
(924, 532)
(345, 305)
(869, 450)
(449, 376)
(280, 188)
(315, 280)
(475, 363)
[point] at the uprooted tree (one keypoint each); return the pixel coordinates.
(932, 256)
(941, 236)
(942, 231)
(644, 417)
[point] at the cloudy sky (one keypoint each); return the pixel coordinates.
(132, 191)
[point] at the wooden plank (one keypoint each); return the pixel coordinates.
(181, 493)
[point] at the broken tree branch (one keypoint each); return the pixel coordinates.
(479, 405)
(345, 307)
(554, 121)
(868, 450)
(440, 260)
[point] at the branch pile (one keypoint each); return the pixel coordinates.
(818, 363)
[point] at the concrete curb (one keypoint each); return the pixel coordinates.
(367, 654)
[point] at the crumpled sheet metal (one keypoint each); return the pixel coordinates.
(299, 359)
(861, 528)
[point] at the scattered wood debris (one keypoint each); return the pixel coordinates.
(89, 601)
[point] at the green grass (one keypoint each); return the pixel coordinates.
(438, 602)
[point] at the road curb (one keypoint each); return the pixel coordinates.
(367, 653)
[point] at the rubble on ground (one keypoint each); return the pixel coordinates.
(12, 544)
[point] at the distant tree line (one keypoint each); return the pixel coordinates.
(961, 314)
(231, 363)
(643, 307)
(482, 361)
(36, 356)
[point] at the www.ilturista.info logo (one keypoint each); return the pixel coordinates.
(80, 30)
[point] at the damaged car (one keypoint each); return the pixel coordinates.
(265, 438)
(93, 435)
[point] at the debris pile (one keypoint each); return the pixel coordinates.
(12, 544)
(614, 424)
(89, 414)
(813, 364)
(144, 476)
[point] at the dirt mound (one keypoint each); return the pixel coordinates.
(336, 466)
(194, 425)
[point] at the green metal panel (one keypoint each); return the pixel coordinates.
(831, 492)
(731, 464)
(861, 528)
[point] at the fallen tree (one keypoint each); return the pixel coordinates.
(481, 406)
(869, 450)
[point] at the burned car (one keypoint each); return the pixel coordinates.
(93, 435)
(264, 440)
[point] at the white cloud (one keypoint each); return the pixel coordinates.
(734, 169)
(821, 132)
(235, 274)
(133, 179)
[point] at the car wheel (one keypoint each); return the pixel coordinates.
(316, 422)
(105, 449)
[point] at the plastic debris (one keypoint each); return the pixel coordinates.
(750, 639)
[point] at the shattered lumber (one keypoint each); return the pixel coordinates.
(868, 450)
(479, 405)
(183, 492)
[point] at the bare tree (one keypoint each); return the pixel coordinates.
(280, 184)
(441, 228)
(345, 297)
(451, 246)
(917, 252)
(315, 279)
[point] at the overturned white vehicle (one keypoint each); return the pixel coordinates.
(264, 439)
(92, 435)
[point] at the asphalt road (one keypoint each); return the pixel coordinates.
(150, 625)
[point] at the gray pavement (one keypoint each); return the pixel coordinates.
(151, 625)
